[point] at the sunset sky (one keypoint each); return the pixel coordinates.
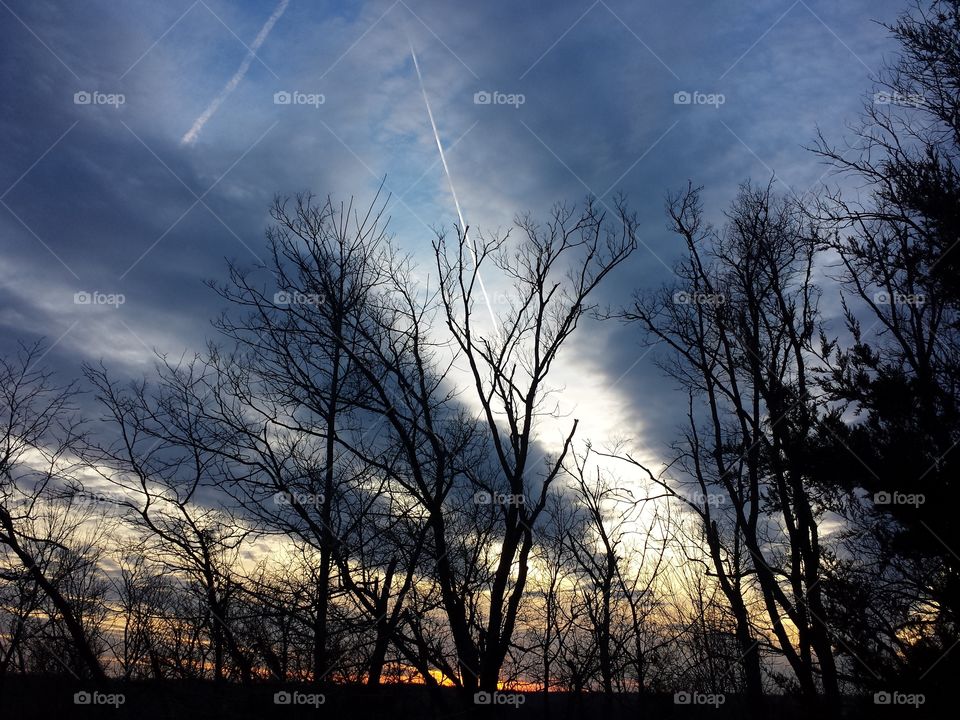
(143, 142)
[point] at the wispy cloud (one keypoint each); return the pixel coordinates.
(194, 132)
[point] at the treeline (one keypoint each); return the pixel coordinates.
(367, 477)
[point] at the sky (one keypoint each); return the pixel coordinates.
(142, 143)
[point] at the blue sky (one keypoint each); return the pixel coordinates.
(105, 196)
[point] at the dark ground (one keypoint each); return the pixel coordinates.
(44, 698)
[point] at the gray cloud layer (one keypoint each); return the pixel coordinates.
(103, 197)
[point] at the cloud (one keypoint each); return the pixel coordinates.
(194, 132)
(596, 103)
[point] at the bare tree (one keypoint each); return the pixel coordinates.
(39, 435)
(742, 327)
(618, 555)
(896, 239)
(553, 270)
(166, 481)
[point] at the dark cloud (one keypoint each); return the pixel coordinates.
(105, 196)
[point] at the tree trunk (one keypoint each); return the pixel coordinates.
(77, 633)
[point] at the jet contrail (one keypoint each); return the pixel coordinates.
(231, 85)
(456, 202)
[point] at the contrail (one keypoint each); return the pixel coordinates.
(456, 202)
(231, 85)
